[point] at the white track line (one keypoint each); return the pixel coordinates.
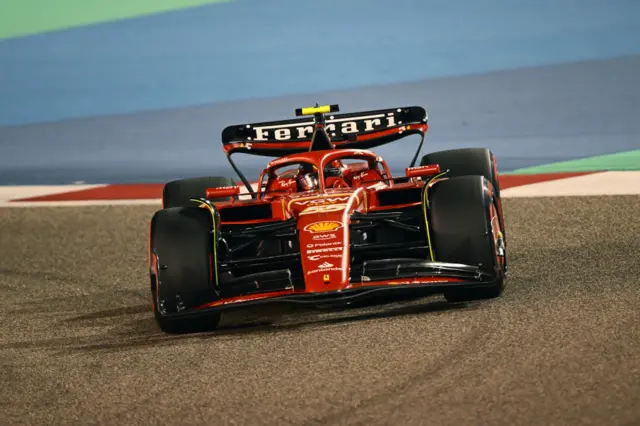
(605, 183)
(29, 191)
(80, 203)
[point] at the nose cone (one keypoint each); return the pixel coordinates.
(324, 250)
(323, 226)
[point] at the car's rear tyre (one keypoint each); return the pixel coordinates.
(177, 193)
(468, 162)
(181, 262)
(465, 229)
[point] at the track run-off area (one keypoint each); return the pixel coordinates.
(79, 345)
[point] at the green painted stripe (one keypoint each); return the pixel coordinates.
(613, 162)
(24, 17)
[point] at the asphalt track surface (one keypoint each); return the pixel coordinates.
(78, 344)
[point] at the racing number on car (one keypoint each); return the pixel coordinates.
(323, 208)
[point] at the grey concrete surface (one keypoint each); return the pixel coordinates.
(78, 344)
(527, 117)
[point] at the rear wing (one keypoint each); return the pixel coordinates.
(358, 130)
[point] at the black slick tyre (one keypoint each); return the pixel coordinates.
(182, 267)
(466, 162)
(471, 162)
(465, 229)
(177, 193)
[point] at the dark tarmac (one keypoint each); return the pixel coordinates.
(78, 343)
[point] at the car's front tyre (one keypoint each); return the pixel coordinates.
(465, 228)
(182, 269)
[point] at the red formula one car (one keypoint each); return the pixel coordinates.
(327, 224)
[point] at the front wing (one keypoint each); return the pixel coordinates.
(410, 279)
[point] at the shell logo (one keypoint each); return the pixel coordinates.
(327, 226)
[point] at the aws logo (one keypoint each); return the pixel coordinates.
(326, 226)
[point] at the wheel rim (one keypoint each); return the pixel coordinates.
(498, 238)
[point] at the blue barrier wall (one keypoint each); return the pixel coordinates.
(146, 98)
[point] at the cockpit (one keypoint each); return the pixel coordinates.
(344, 171)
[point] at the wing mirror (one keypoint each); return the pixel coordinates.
(223, 192)
(422, 171)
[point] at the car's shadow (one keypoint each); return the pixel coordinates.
(127, 327)
(144, 332)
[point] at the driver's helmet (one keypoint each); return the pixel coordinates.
(308, 178)
(332, 171)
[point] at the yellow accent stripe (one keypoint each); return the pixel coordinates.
(425, 206)
(426, 221)
(215, 245)
(433, 180)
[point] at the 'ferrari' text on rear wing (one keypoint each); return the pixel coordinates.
(366, 129)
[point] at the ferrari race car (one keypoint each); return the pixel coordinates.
(327, 224)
